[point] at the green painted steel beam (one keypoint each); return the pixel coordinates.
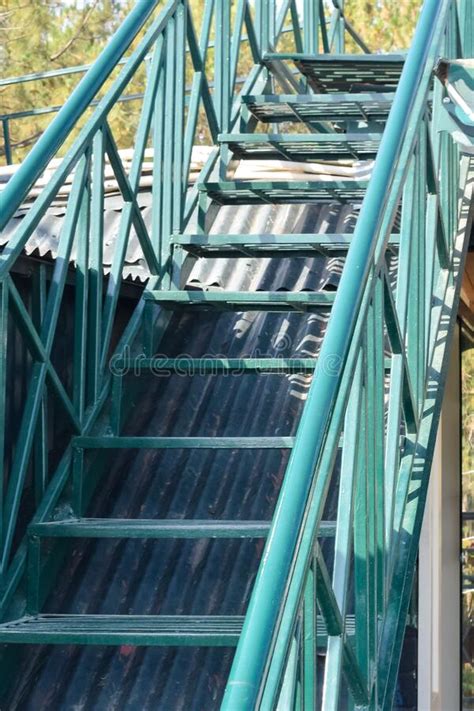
(116, 630)
(238, 300)
(149, 528)
(91, 442)
(212, 366)
(158, 528)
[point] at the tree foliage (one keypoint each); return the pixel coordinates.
(39, 35)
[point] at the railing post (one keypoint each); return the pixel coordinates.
(6, 141)
(223, 89)
(466, 27)
(340, 33)
(265, 12)
(311, 11)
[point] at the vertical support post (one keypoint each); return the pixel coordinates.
(77, 480)
(158, 238)
(361, 547)
(379, 436)
(223, 89)
(466, 27)
(341, 30)
(40, 453)
(33, 595)
(80, 365)
(262, 22)
(116, 404)
(3, 380)
(309, 644)
(179, 179)
(169, 67)
(7, 141)
(95, 278)
(311, 10)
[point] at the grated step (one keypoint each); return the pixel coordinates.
(306, 108)
(269, 245)
(303, 147)
(137, 630)
(256, 192)
(347, 72)
(243, 300)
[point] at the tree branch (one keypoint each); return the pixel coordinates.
(76, 36)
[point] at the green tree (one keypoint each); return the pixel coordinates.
(385, 25)
(39, 35)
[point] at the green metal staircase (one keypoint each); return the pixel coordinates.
(329, 604)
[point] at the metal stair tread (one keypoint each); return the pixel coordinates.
(269, 108)
(137, 630)
(342, 72)
(209, 365)
(149, 528)
(252, 192)
(303, 146)
(124, 442)
(242, 300)
(148, 630)
(239, 245)
(158, 528)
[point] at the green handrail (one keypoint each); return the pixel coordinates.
(60, 128)
(247, 677)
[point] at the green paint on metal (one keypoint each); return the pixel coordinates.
(368, 425)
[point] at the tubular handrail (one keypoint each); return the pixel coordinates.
(60, 128)
(244, 688)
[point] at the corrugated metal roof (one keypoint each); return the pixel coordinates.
(44, 241)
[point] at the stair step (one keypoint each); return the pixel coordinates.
(302, 146)
(137, 630)
(244, 300)
(347, 72)
(144, 630)
(277, 108)
(149, 528)
(183, 442)
(158, 528)
(269, 245)
(256, 192)
(213, 366)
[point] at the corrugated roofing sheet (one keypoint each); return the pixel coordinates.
(44, 241)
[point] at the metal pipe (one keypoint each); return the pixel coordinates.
(244, 688)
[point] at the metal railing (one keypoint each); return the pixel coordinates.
(416, 161)
(412, 157)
